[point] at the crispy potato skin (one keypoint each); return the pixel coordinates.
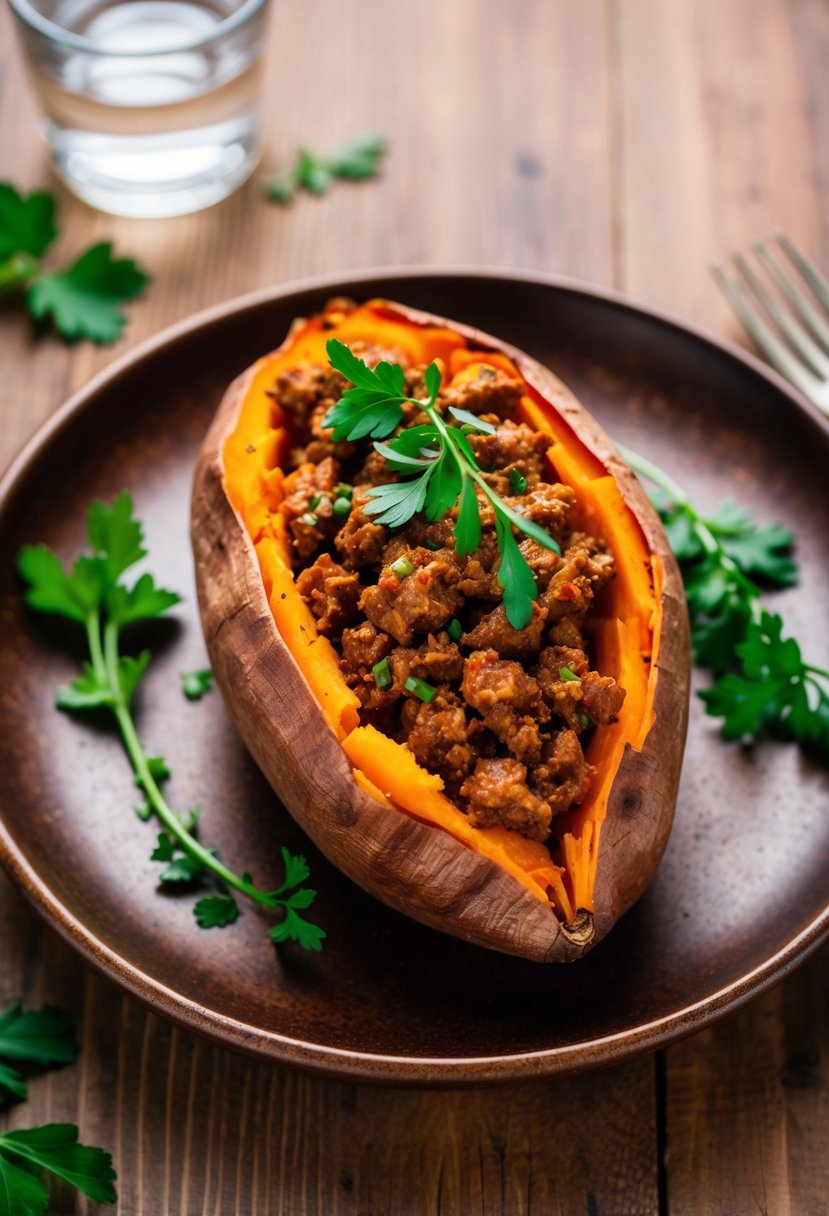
(414, 867)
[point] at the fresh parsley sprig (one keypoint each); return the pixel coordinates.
(355, 160)
(40, 1037)
(194, 684)
(53, 1148)
(437, 467)
(44, 1038)
(765, 684)
(94, 594)
(82, 299)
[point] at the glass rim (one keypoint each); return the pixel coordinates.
(29, 16)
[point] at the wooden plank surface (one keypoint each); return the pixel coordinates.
(623, 142)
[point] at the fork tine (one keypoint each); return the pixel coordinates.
(808, 269)
(807, 311)
(809, 351)
(769, 344)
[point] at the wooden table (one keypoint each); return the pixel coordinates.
(625, 143)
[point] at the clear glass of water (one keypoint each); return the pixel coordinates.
(152, 107)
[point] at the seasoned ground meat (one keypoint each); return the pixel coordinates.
(419, 602)
(360, 541)
(497, 793)
(437, 660)
(602, 698)
(364, 646)
(494, 631)
(514, 448)
(439, 734)
(332, 594)
(499, 713)
(307, 506)
(563, 777)
(492, 391)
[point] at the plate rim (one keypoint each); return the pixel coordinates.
(350, 1064)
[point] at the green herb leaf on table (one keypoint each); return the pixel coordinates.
(774, 690)
(764, 685)
(93, 593)
(83, 300)
(41, 1037)
(194, 684)
(357, 159)
(437, 467)
(27, 225)
(53, 1148)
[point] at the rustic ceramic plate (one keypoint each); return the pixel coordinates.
(741, 894)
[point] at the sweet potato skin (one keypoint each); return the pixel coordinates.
(412, 866)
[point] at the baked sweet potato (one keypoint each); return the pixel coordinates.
(360, 795)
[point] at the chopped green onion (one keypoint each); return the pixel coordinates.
(434, 545)
(518, 481)
(308, 518)
(402, 567)
(341, 507)
(454, 629)
(314, 501)
(343, 490)
(585, 719)
(567, 674)
(382, 674)
(420, 689)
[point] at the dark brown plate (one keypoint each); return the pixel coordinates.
(741, 894)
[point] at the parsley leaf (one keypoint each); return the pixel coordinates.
(437, 468)
(194, 684)
(39, 1037)
(763, 550)
(374, 405)
(774, 689)
(216, 911)
(27, 225)
(83, 300)
(296, 871)
(43, 1037)
(94, 594)
(356, 159)
(764, 684)
(55, 1149)
(359, 157)
(294, 927)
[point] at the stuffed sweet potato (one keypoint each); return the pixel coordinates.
(481, 724)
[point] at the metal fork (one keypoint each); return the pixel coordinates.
(799, 348)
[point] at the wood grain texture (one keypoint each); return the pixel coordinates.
(629, 142)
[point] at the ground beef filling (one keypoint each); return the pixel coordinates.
(502, 713)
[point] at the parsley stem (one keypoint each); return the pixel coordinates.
(105, 662)
(17, 271)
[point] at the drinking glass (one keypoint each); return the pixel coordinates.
(151, 107)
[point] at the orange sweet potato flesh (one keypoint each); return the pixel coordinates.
(362, 797)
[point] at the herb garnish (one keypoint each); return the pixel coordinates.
(355, 160)
(81, 299)
(55, 1149)
(194, 684)
(437, 465)
(41, 1038)
(94, 595)
(772, 689)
